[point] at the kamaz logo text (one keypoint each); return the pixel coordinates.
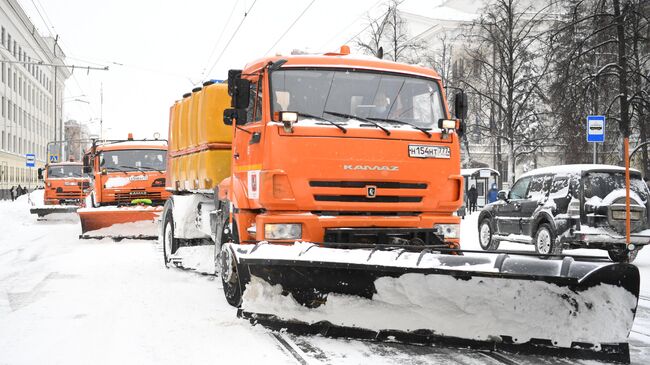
(370, 168)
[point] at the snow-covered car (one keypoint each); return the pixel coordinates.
(569, 206)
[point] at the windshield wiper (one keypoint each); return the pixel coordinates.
(115, 168)
(152, 169)
(342, 128)
(424, 130)
(133, 167)
(345, 115)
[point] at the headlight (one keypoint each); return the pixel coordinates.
(282, 231)
(448, 230)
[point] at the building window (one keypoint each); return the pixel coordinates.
(3, 37)
(9, 43)
(3, 132)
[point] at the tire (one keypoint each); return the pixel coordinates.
(169, 242)
(227, 267)
(621, 255)
(485, 236)
(545, 241)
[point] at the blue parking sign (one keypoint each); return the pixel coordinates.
(30, 160)
(596, 128)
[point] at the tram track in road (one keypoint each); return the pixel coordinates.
(303, 351)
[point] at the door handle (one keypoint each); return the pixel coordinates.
(517, 206)
(235, 155)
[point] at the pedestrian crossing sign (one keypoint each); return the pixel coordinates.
(54, 158)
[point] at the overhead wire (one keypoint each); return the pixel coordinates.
(231, 37)
(90, 110)
(350, 24)
(223, 31)
(290, 26)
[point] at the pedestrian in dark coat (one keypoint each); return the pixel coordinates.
(19, 191)
(12, 191)
(472, 197)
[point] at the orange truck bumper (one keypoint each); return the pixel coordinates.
(314, 226)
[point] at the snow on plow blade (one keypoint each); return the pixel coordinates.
(133, 222)
(44, 210)
(517, 304)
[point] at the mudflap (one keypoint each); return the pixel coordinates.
(42, 211)
(569, 308)
(119, 223)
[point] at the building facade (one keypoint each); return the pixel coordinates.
(31, 96)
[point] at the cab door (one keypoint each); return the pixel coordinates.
(509, 214)
(249, 141)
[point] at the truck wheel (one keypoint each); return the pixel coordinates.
(228, 266)
(485, 239)
(170, 243)
(546, 242)
(621, 255)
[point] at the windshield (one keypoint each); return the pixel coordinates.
(133, 160)
(64, 171)
(376, 96)
(600, 184)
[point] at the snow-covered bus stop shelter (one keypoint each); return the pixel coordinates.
(482, 178)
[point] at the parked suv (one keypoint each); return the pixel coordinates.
(569, 206)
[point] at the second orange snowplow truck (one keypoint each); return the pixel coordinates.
(128, 184)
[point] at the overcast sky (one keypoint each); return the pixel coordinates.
(158, 49)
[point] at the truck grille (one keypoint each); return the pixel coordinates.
(136, 194)
(350, 191)
(363, 199)
(362, 184)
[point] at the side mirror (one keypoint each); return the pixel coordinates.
(238, 114)
(460, 105)
(502, 195)
(40, 173)
(239, 90)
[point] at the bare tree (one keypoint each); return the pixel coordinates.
(610, 53)
(511, 52)
(388, 36)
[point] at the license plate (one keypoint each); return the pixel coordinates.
(424, 151)
(70, 183)
(138, 177)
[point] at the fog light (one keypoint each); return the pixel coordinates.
(631, 247)
(448, 230)
(282, 231)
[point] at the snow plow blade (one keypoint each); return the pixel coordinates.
(556, 307)
(131, 222)
(44, 210)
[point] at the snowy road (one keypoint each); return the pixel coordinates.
(70, 301)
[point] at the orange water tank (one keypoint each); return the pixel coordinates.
(193, 126)
(184, 121)
(211, 128)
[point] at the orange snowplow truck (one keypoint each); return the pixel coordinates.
(65, 188)
(128, 182)
(327, 148)
(64, 183)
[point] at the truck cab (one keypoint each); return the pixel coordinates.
(336, 148)
(125, 171)
(64, 183)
